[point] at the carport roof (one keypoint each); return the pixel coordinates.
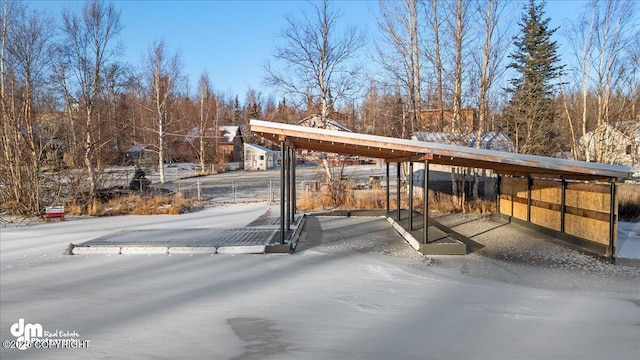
(403, 150)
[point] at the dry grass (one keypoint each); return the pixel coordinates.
(133, 205)
(629, 202)
(376, 199)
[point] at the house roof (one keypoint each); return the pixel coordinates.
(404, 150)
(137, 148)
(230, 132)
(261, 148)
(315, 121)
(492, 140)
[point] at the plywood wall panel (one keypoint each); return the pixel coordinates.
(593, 230)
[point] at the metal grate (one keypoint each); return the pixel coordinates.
(185, 237)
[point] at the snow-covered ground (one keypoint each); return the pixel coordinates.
(629, 240)
(353, 290)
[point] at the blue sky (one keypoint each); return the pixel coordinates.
(231, 40)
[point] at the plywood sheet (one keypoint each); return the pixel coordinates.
(589, 197)
(545, 217)
(590, 229)
(547, 191)
(506, 206)
(520, 211)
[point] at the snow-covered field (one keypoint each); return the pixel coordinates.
(629, 240)
(353, 290)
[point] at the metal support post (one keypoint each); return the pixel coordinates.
(398, 190)
(282, 189)
(612, 224)
(425, 206)
(498, 193)
(563, 205)
(293, 185)
(410, 195)
(388, 188)
(529, 183)
(288, 190)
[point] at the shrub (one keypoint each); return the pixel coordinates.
(350, 198)
(139, 181)
(629, 202)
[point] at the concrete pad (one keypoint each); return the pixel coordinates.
(192, 250)
(254, 249)
(457, 248)
(131, 250)
(451, 247)
(405, 234)
(96, 250)
(278, 249)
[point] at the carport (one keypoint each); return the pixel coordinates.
(573, 200)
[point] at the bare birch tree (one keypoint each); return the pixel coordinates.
(24, 65)
(87, 47)
(490, 13)
(207, 106)
(399, 55)
(318, 59)
(614, 19)
(163, 72)
(601, 41)
(458, 28)
(434, 19)
(581, 43)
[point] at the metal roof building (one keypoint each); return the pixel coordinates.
(547, 193)
(404, 150)
(490, 140)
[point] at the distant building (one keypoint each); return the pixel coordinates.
(230, 143)
(613, 145)
(136, 155)
(258, 157)
(431, 120)
(228, 140)
(315, 121)
(490, 140)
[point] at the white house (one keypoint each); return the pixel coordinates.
(315, 121)
(610, 145)
(257, 157)
(490, 140)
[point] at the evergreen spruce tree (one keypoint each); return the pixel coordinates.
(237, 111)
(139, 181)
(531, 114)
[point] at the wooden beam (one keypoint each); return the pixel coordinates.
(413, 158)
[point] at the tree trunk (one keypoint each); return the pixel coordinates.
(93, 192)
